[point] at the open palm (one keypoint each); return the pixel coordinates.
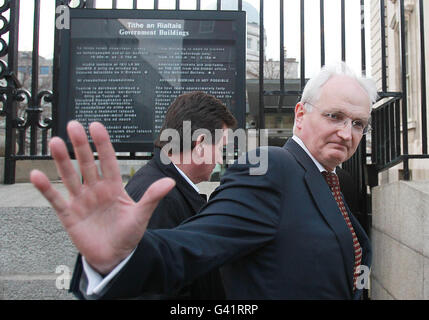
(103, 222)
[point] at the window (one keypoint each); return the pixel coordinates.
(44, 70)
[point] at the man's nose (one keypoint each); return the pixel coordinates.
(346, 130)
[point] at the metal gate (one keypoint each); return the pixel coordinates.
(28, 127)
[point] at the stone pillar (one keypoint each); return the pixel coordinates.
(400, 241)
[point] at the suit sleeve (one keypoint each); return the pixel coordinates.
(242, 216)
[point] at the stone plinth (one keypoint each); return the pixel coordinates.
(400, 239)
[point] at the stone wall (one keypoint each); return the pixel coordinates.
(400, 240)
(37, 256)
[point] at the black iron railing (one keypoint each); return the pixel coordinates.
(9, 72)
(27, 135)
(389, 139)
(388, 143)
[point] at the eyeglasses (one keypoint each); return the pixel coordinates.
(340, 120)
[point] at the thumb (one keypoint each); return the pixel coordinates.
(154, 194)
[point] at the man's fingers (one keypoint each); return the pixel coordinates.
(41, 182)
(83, 152)
(153, 195)
(64, 165)
(106, 154)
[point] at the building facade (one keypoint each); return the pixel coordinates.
(419, 169)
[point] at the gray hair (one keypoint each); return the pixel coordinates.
(313, 87)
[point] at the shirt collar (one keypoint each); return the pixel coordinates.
(187, 179)
(302, 145)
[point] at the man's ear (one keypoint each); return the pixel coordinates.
(199, 145)
(299, 114)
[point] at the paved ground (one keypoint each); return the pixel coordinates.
(25, 195)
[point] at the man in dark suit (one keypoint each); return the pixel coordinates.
(285, 234)
(184, 200)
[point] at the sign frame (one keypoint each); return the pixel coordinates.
(63, 65)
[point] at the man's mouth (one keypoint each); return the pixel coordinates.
(339, 146)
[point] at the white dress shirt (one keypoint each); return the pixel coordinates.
(302, 145)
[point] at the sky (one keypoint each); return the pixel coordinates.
(271, 22)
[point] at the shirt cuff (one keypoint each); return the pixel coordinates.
(96, 282)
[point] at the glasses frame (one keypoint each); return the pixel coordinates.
(367, 129)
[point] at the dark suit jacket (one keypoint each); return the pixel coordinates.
(182, 202)
(278, 236)
(178, 205)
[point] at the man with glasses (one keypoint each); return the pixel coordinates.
(286, 234)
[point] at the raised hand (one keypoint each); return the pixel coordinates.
(103, 222)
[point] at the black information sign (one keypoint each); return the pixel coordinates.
(124, 68)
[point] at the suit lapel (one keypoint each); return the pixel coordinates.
(328, 207)
(362, 237)
(195, 200)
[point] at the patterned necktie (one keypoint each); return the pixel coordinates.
(333, 182)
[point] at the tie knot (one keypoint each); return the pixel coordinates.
(331, 178)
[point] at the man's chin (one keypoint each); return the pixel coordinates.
(336, 159)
